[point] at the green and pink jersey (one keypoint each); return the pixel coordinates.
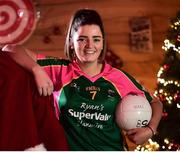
(86, 105)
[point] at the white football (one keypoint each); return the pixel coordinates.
(133, 111)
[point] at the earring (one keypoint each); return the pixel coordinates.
(72, 47)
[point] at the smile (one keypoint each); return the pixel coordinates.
(89, 51)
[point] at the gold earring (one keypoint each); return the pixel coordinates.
(72, 48)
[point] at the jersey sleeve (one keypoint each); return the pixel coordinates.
(126, 84)
(54, 68)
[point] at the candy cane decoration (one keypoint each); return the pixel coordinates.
(17, 21)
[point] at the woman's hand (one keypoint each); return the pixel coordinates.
(44, 83)
(139, 135)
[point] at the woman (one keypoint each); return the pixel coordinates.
(86, 88)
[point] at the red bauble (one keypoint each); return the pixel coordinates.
(178, 38)
(177, 96)
(164, 114)
(166, 66)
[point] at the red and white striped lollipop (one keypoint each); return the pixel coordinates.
(17, 21)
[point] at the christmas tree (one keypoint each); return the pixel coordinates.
(168, 91)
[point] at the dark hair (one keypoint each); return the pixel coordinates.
(80, 18)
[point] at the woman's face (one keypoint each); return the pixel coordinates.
(88, 43)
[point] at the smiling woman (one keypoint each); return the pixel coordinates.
(86, 88)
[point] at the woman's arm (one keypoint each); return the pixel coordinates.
(157, 109)
(22, 56)
(27, 59)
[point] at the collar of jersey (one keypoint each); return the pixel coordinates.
(106, 69)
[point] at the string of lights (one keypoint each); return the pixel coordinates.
(168, 91)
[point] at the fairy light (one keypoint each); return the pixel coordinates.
(169, 100)
(166, 141)
(168, 96)
(178, 105)
(161, 91)
(169, 147)
(160, 71)
(166, 82)
(149, 146)
(154, 146)
(168, 45)
(175, 25)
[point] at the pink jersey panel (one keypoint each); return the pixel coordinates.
(122, 83)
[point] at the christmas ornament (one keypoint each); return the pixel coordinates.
(166, 67)
(177, 97)
(178, 39)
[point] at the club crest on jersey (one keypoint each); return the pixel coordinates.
(111, 93)
(74, 85)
